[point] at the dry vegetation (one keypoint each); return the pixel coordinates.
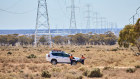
(30, 63)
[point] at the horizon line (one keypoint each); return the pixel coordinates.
(60, 29)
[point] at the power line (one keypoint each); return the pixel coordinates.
(133, 17)
(11, 12)
(13, 5)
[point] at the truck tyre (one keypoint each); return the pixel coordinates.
(74, 63)
(54, 62)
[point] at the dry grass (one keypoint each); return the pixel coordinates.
(16, 65)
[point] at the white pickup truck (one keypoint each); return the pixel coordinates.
(58, 56)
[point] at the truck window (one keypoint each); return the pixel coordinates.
(66, 55)
(57, 54)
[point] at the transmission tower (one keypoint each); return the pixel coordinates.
(95, 21)
(42, 23)
(88, 18)
(111, 26)
(73, 17)
(116, 29)
(102, 24)
(107, 26)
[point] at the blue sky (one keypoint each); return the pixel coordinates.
(116, 11)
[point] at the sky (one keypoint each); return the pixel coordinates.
(115, 11)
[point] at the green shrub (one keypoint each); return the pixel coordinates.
(95, 73)
(114, 49)
(25, 47)
(61, 47)
(31, 56)
(56, 69)
(131, 70)
(87, 50)
(9, 53)
(85, 73)
(40, 50)
(71, 76)
(87, 47)
(46, 74)
(21, 71)
(79, 77)
(72, 50)
(82, 68)
(106, 68)
(138, 66)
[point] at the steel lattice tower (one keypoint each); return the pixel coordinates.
(95, 21)
(42, 22)
(88, 18)
(72, 18)
(102, 24)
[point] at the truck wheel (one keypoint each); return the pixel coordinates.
(54, 62)
(74, 63)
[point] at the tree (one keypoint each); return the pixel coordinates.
(8, 39)
(95, 39)
(3, 39)
(57, 39)
(80, 39)
(130, 36)
(24, 40)
(43, 40)
(12, 39)
(31, 39)
(110, 38)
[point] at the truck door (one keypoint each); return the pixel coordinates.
(66, 58)
(58, 57)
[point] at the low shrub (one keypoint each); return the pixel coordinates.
(72, 50)
(82, 69)
(138, 66)
(46, 74)
(9, 53)
(79, 77)
(56, 69)
(87, 50)
(85, 73)
(106, 68)
(21, 71)
(87, 47)
(71, 76)
(61, 47)
(31, 56)
(40, 50)
(95, 73)
(114, 49)
(25, 47)
(131, 70)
